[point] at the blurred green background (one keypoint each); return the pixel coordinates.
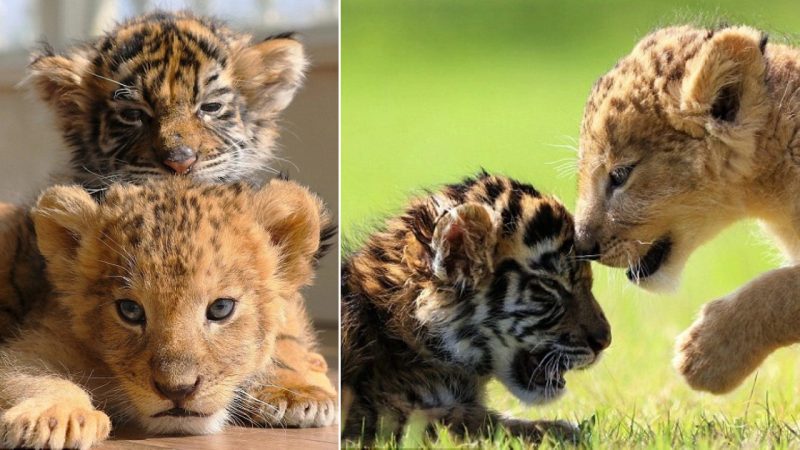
(434, 90)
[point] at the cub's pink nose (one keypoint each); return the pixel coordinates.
(181, 160)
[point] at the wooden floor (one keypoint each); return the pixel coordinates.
(236, 438)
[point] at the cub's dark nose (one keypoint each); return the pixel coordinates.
(178, 393)
(181, 160)
(599, 339)
(588, 250)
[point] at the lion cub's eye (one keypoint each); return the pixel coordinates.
(130, 311)
(211, 108)
(619, 176)
(221, 309)
(131, 116)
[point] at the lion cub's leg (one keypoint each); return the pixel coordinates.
(48, 412)
(299, 394)
(733, 335)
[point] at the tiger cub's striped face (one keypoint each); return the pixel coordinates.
(170, 94)
(513, 301)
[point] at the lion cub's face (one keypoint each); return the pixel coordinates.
(178, 289)
(666, 135)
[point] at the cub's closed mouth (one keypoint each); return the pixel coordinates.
(651, 261)
(179, 412)
(529, 371)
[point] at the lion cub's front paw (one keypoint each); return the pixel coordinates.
(303, 407)
(711, 355)
(36, 423)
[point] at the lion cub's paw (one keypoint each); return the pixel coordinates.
(708, 354)
(38, 423)
(302, 407)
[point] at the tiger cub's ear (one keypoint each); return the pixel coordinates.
(59, 79)
(270, 72)
(463, 244)
(62, 217)
(294, 218)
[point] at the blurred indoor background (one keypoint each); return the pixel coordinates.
(30, 147)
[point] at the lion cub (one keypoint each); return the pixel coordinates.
(169, 301)
(692, 131)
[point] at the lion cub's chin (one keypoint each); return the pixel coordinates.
(186, 425)
(666, 280)
(667, 277)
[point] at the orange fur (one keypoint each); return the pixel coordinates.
(173, 248)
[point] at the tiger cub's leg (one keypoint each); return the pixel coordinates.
(22, 277)
(299, 394)
(473, 419)
(536, 430)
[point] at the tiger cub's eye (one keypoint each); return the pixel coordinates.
(130, 311)
(220, 309)
(131, 116)
(210, 108)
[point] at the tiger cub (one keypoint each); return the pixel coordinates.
(169, 93)
(160, 95)
(168, 306)
(475, 281)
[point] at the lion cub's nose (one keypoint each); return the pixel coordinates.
(178, 393)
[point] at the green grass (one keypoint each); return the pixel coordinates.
(435, 90)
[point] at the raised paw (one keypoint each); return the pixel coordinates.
(301, 407)
(35, 423)
(714, 354)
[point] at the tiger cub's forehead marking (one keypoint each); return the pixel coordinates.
(535, 230)
(165, 57)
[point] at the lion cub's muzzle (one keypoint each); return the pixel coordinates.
(651, 261)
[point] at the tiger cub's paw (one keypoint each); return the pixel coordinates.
(538, 430)
(45, 423)
(559, 430)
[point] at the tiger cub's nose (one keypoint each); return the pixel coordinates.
(181, 160)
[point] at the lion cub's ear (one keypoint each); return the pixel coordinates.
(270, 72)
(294, 218)
(59, 79)
(724, 92)
(463, 244)
(62, 217)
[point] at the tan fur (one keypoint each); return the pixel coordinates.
(174, 248)
(167, 65)
(708, 120)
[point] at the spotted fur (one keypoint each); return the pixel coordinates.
(690, 132)
(173, 247)
(166, 67)
(475, 281)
